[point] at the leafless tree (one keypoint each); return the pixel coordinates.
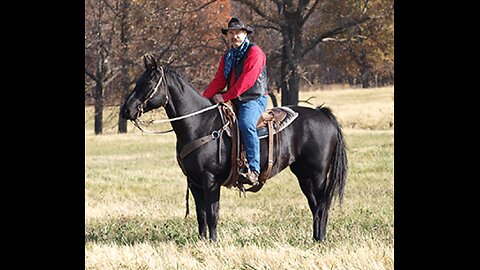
(290, 19)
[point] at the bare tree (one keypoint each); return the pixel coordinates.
(119, 32)
(98, 42)
(125, 62)
(364, 51)
(289, 18)
(180, 35)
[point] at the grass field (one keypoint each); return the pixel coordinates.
(135, 201)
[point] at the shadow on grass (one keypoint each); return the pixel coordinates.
(292, 231)
(133, 230)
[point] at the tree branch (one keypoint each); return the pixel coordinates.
(107, 82)
(181, 27)
(265, 26)
(257, 10)
(309, 12)
(342, 27)
(89, 74)
(112, 9)
(364, 10)
(307, 101)
(201, 7)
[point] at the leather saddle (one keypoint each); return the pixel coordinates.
(270, 123)
(274, 115)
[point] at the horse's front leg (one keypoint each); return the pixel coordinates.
(211, 195)
(197, 192)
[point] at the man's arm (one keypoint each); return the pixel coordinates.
(218, 83)
(252, 68)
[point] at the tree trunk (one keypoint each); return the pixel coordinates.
(283, 81)
(125, 84)
(291, 56)
(274, 99)
(290, 87)
(98, 120)
(365, 72)
(364, 67)
(122, 124)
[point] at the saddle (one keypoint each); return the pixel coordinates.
(270, 123)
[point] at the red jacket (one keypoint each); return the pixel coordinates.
(253, 65)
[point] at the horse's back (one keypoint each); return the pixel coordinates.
(315, 122)
(313, 134)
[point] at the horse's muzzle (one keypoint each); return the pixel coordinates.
(128, 114)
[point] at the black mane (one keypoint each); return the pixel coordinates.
(181, 81)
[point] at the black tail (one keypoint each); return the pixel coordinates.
(338, 171)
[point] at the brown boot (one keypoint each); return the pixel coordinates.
(252, 177)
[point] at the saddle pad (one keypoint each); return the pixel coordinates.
(291, 115)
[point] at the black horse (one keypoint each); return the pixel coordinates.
(312, 145)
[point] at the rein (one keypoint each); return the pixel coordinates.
(136, 122)
(184, 116)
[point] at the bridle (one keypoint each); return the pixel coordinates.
(140, 107)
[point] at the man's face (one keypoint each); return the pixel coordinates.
(236, 37)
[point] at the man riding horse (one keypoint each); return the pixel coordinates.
(243, 71)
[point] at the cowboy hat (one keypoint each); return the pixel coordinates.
(236, 24)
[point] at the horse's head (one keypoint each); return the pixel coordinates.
(150, 91)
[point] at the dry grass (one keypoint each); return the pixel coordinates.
(202, 255)
(357, 108)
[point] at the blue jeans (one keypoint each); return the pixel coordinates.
(248, 114)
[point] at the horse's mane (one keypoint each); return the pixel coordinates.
(182, 82)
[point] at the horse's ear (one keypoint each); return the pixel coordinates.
(150, 62)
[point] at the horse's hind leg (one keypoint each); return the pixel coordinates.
(320, 226)
(312, 183)
(200, 207)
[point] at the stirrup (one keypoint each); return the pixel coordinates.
(244, 179)
(255, 182)
(248, 177)
(243, 173)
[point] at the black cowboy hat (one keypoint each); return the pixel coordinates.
(236, 23)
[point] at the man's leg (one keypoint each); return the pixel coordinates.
(248, 115)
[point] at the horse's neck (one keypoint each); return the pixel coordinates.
(186, 101)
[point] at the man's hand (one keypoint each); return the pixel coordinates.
(217, 98)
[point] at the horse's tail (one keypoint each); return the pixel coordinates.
(339, 167)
